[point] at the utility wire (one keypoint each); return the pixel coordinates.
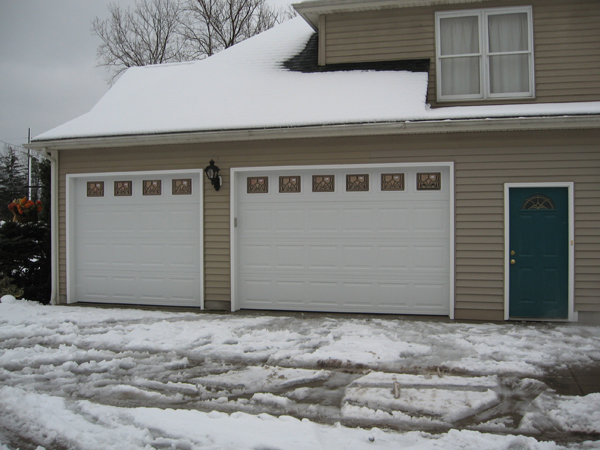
(11, 144)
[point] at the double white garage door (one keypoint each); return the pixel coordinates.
(355, 239)
(373, 239)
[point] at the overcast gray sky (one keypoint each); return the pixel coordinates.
(48, 72)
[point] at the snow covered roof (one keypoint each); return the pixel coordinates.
(247, 87)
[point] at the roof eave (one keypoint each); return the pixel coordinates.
(311, 10)
(591, 121)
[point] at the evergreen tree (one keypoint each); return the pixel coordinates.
(40, 181)
(13, 179)
(25, 259)
(25, 267)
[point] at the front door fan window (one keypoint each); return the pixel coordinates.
(538, 201)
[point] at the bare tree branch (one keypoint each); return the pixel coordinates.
(148, 34)
(214, 25)
(163, 31)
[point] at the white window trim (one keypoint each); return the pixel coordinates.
(483, 54)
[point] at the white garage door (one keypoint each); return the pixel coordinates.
(135, 239)
(358, 239)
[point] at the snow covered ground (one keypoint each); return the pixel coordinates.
(95, 378)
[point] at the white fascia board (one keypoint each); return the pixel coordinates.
(325, 131)
(311, 10)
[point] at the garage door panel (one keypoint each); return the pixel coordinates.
(153, 222)
(322, 220)
(429, 220)
(393, 219)
(258, 292)
(96, 222)
(357, 257)
(124, 287)
(393, 257)
(433, 295)
(94, 255)
(292, 292)
(185, 290)
(184, 256)
(288, 220)
(290, 256)
(322, 295)
(153, 255)
(257, 221)
(394, 296)
(123, 255)
(344, 251)
(357, 294)
(135, 249)
(183, 222)
(96, 285)
(121, 221)
(357, 219)
(153, 287)
(430, 258)
(258, 256)
(323, 257)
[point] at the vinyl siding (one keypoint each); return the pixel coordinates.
(566, 50)
(483, 163)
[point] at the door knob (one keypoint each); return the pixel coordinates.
(512, 261)
(513, 253)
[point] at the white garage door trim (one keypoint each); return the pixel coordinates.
(71, 180)
(236, 173)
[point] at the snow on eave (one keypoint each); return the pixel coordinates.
(246, 91)
(580, 122)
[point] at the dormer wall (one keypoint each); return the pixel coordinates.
(566, 44)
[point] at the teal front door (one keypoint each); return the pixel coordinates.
(539, 253)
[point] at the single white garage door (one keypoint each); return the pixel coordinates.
(135, 239)
(359, 239)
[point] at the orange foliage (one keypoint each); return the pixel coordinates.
(24, 206)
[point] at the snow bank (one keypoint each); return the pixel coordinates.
(54, 422)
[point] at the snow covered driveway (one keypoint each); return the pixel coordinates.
(95, 378)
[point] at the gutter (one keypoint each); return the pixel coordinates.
(53, 223)
(590, 121)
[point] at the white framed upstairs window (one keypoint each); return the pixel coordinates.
(484, 54)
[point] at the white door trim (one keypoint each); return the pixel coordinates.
(69, 217)
(573, 316)
(233, 204)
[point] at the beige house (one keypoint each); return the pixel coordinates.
(428, 157)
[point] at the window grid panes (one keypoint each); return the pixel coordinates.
(484, 54)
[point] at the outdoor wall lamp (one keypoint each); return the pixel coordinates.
(212, 173)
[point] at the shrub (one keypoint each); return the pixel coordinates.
(7, 287)
(25, 258)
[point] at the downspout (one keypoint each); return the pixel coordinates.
(53, 223)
